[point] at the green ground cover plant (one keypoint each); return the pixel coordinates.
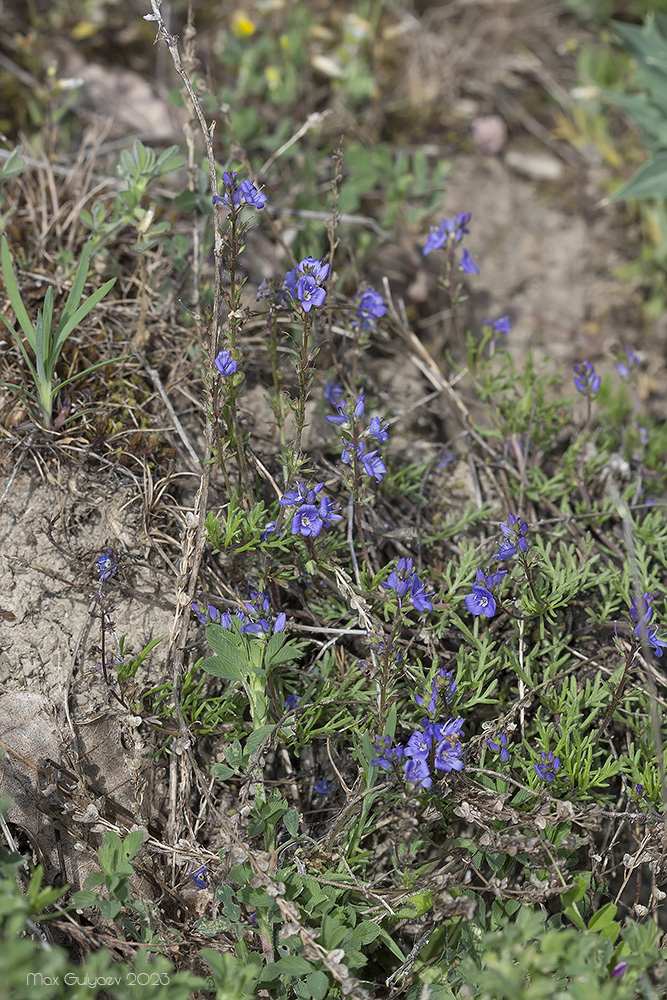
(415, 743)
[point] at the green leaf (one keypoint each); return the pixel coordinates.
(290, 965)
(14, 294)
(95, 878)
(231, 668)
(132, 843)
(66, 325)
(80, 900)
(256, 738)
(110, 908)
(317, 985)
(291, 821)
(650, 181)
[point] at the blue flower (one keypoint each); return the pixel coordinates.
(252, 195)
(619, 970)
(467, 263)
(419, 745)
(390, 755)
(449, 231)
(315, 267)
(417, 770)
(376, 430)
(549, 767)
(199, 877)
(502, 325)
(309, 293)
(245, 193)
(107, 564)
(291, 701)
(448, 756)
(369, 307)
(630, 365)
(373, 464)
(225, 363)
(333, 393)
(329, 511)
(322, 786)
(421, 601)
(499, 747)
(307, 521)
(585, 379)
(656, 640)
(268, 531)
(515, 531)
(481, 601)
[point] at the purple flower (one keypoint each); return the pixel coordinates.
(290, 283)
(468, 264)
(333, 393)
(390, 754)
(419, 745)
(449, 231)
(515, 531)
(585, 379)
(630, 365)
(107, 564)
(656, 640)
(316, 268)
(499, 747)
(502, 325)
(323, 787)
(329, 511)
(307, 521)
(291, 701)
(225, 363)
(268, 530)
(374, 466)
(549, 767)
(481, 601)
(309, 293)
(421, 601)
(359, 406)
(246, 193)
(199, 877)
(252, 195)
(417, 770)
(619, 970)
(376, 430)
(448, 756)
(446, 459)
(396, 580)
(369, 307)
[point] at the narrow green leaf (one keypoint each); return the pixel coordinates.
(66, 325)
(14, 294)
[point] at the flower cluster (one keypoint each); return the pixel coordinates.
(254, 618)
(314, 511)
(370, 306)
(225, 364)
(548, 768)
(107, 564)
(515, 532)
(305, 282)
(404, 582)
(643, 621)
(499, 746)
(348, 417)
(629, 365)
(245, 193)
(435, 745)
(449, 234)
(585, 379)
(444, 685)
